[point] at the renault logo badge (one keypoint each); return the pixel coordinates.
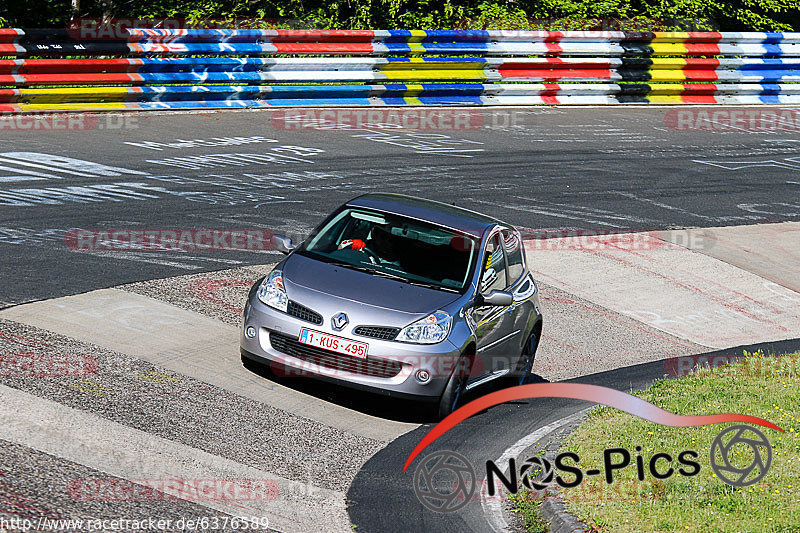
(339, 321)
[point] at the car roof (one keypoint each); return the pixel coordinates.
(429, 211)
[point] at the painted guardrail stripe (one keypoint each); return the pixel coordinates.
(257, 70)
(227, 68)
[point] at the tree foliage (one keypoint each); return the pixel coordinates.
(733, 15)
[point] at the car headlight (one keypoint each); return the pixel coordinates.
(430, 330)
(272, 293)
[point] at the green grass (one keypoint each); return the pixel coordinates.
(527, 506)
(767, 387)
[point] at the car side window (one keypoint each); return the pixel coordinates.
(514, 251)
(494, 267)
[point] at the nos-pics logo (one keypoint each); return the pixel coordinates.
(445, 481)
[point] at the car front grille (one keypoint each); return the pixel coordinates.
(377, 332)
(381, 368)
(303, 313)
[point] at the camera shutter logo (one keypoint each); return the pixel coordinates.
(454, 487)
(723, 447)
(537, 473)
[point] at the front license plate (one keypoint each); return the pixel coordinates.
(333, 343)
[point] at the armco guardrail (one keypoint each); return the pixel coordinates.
(55, 70)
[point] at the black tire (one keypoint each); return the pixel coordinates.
(524, 370)
(454, 391)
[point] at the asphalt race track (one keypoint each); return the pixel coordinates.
(717, 208)
(555, 168)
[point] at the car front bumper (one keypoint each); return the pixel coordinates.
(387, 357)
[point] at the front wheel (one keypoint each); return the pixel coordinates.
(456, 387)
(522, 374)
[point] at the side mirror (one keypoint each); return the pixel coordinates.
(282, 243)
(496, 298)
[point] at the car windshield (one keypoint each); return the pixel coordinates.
(394, 246)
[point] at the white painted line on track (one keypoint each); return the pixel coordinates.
(128, 453)
(493, 506)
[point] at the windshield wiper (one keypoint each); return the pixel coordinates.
(431, 285)
(381, 273)
(362, 268)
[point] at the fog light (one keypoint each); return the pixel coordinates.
(423, 376)
(250, 332)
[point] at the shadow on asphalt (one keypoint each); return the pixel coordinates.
(373, 404)
(401, 410)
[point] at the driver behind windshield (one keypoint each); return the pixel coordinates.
(380, 245)
(389, 244)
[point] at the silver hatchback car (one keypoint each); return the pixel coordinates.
(399, 295)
